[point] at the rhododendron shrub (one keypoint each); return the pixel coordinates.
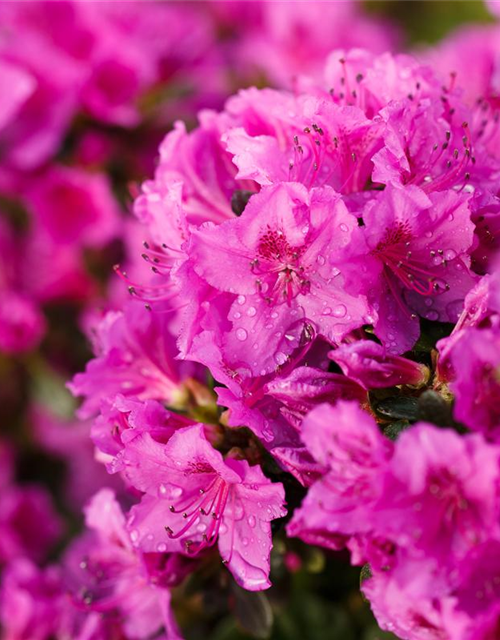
(296, 358)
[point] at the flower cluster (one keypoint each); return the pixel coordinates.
(309, 351)
(299, 245)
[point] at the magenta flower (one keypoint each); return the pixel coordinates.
(417, 245)
(473, 610)
(24, 509)
(442, 491)
(346, 441)
(481, 309)
(72, 207)
(107, 576)
(22, 325)
(368, 364)
(475, 358)
(122, 418)
(31, 601)
(135, 356)
(195, 498)
(278, 263)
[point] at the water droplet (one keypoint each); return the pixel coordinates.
(274, 315)
(241, 299)
(162, 547)
(223, 528)
(176, 492)
(340, 311)
(162, 490)
(241, 334)
(134, 535)
(343, 227)
(327, 311)
(335, 272)
(428, 302)
(237, 315)
(432, 315)
(251, 521)
(320, 260)
(428, 234)
(244, 542)
(450, 254)
(251, 311)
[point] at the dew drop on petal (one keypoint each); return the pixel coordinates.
(251, 311)
(340, 311)
(241, 299)
(251, 521)
(162, 547)
(241, 334)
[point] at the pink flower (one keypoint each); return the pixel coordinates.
(294, 38)
(69, 441)
(121, 418)
(135, 356)
(31, 601)
(72, 207)
(481, 309)
(21, 323)
(346, 441)
(106, 575)
(24, 509)
(280, 262)
(193, 498)
(475, 358)
(368, 364)
(15, 88)
(418, 245)
(441, 490)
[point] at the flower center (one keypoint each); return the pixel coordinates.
(394, 251)
(281, 276)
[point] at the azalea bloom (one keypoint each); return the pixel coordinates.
(282, 277)
(194, 498)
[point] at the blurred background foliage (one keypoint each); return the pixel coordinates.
(427, 21)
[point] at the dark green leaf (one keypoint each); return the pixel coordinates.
(432, 407)
(398, 408)
(393, 429)
(239, 200)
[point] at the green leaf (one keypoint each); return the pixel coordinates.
(393, 429)
(239, 200)
(432, 407)
(398, 408)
